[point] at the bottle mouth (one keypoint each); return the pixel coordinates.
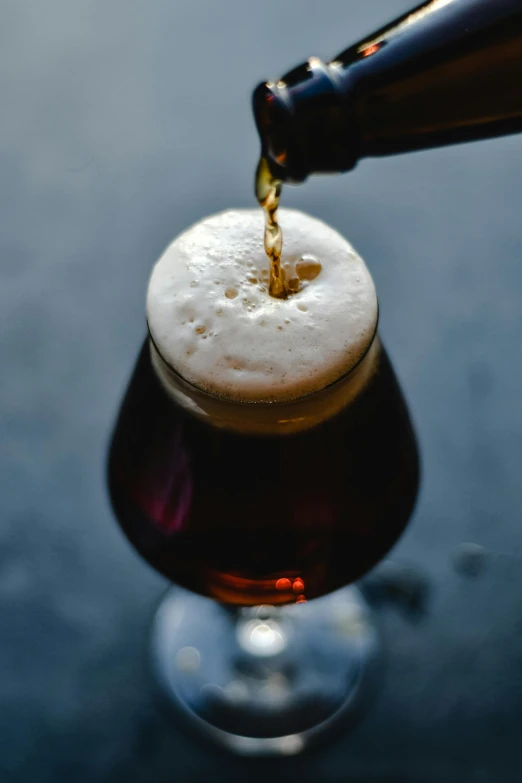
(280, 145)
(304, 122)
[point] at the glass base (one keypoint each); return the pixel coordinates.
(265, 680)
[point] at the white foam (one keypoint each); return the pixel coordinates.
(213, 321)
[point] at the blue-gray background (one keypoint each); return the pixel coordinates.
(123, 121)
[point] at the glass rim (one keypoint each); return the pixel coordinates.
(268, 404)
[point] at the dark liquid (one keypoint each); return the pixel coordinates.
(266, 519)
(268, 191)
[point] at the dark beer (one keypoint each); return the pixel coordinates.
(263, 518)
(448, 71)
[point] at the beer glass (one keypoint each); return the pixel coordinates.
(263, 515)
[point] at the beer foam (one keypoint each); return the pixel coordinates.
(213, 321)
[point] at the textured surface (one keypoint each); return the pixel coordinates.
(123, 121)
(212, 319)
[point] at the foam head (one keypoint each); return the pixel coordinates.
(213, 321)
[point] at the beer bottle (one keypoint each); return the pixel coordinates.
(448, 71)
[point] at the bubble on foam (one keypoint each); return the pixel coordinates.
(308, 267)
(296, 355)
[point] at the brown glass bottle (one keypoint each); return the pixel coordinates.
(448, 71)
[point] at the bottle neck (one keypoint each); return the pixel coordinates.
(304, 123)
(448, 71)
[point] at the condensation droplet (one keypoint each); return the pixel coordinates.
(303, 308)
(231, 293)
(201, 329)
(252, 280)
(293, 284)
(194, 284)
